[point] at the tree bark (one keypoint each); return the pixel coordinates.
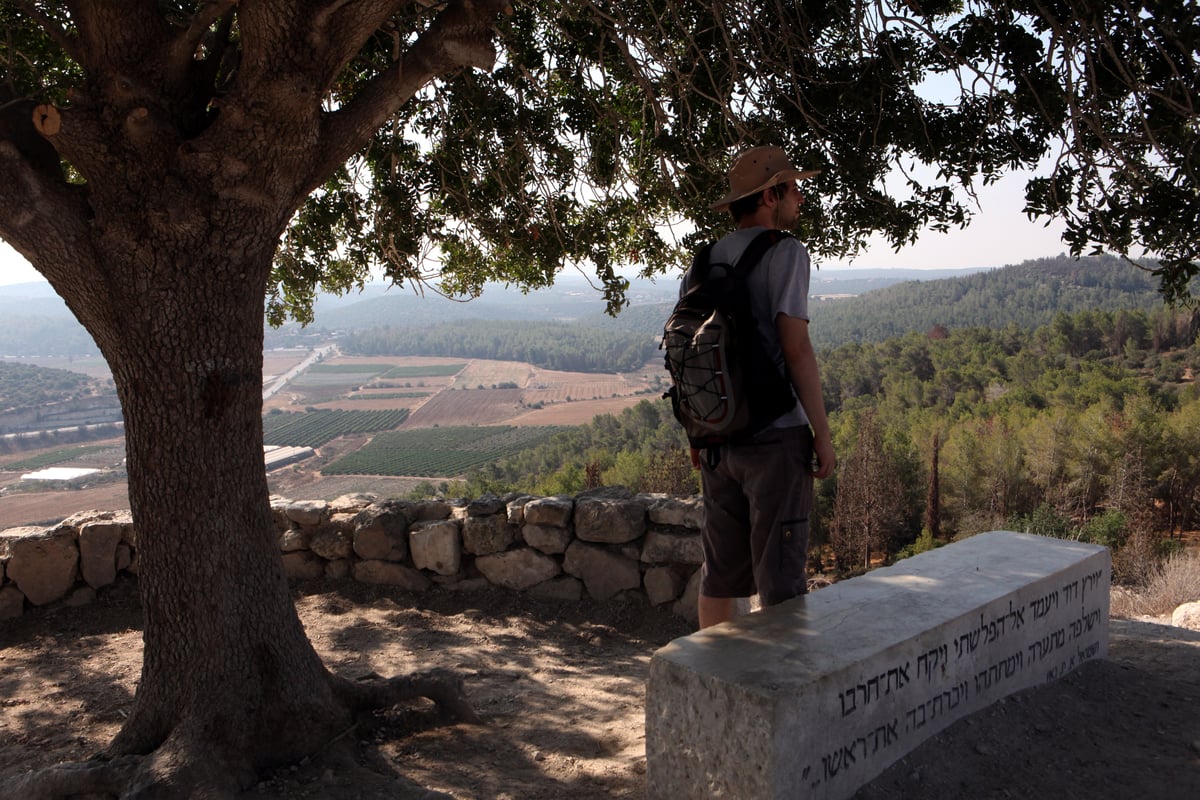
(226, 660)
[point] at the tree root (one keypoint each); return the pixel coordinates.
(442, 686)
(183, 766)
(88, 778)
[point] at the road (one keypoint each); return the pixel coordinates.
(312, 358)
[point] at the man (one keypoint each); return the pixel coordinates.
(758, 494)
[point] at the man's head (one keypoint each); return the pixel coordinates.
(754, 172)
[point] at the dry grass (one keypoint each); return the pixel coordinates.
(1175, 582)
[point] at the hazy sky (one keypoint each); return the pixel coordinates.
(999, 235)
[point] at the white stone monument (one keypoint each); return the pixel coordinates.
(817, 696)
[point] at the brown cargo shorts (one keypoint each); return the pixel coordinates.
(757, 502)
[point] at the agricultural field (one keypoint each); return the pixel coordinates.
(437, 452)
(467, 407)
(86, 453)
(315, 428)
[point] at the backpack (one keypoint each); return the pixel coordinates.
(724, 385)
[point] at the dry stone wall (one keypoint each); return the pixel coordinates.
(606, 545)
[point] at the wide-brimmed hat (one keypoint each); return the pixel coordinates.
(759, 168)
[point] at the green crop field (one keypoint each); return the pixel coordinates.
(425, 371)
(54, 457)
(315, 428)
(438, 452)
(353, 369)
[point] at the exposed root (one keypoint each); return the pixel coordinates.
(89, 778)
(442, 686)
(183, 766)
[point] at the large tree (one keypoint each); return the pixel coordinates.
(166, 165)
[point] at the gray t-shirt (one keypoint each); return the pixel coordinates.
(778, 285)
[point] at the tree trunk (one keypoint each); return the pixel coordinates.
(227, 664)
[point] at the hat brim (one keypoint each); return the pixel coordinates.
(779, 177)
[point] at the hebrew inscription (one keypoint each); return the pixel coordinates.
(1030, 637)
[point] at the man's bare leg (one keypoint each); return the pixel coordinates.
(714, 610)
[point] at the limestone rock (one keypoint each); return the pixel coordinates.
(332, 543)
(391, 573)
(602, 571)
(687, 606)
(679, 512)
(662, 585)
(12, 602)
(554, 511)
(485, 506)
(515, 509)
(436, 546)
(611, 521)
(98, 552)
(308, 512)
(294, 539)
(303, 565)
(430, 510)
(352, 503)
(381, 533)
(338, 569)
(547, 538)
(43, 562)
(486, 535)
(1187, 616)
(662, 547)
(518, 569)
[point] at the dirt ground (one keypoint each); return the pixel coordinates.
(560, 687)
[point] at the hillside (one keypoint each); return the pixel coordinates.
(1027, 295)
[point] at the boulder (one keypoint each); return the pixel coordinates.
(518, 569)
(392, 574)
(309, 513)
(381, 533)
(352, 503)
(662, 585)
(1187, 616)
(485, 506)
(332, 543)
(547, 538)
(663, 547)
(554, 511)
(677, 512)
(436, 546)
(303, 565)
(609, 521)
(486, 535)
(98, 552)
(43, 562)
(603, 572)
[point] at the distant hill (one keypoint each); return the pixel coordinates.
(855, 304)
(1029, 294)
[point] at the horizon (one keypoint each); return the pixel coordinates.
(1000, 235)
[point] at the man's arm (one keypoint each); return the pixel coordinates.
(802, 368)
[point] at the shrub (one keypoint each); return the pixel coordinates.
(1174, 582)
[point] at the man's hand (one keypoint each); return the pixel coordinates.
(695, 458)
(824, 457)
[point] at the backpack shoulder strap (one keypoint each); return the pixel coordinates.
(701, 261)
(758, 247)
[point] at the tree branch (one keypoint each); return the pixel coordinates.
(461, 36)
(56, 32)
(189, 40)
